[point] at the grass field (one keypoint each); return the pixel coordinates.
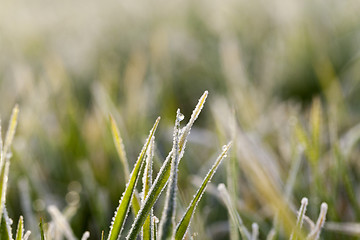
(90, 78)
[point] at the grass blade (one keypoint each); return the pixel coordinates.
(41, 226)
(315, 233)
(5, 231)
(135, 203)
(233, 212)
(147, 179)
(27, 235)
(255, 231)
(168, 216)
(119, 146)
(4, 172)
(164, 173)
(20, 229)
(85, 236)
(11, 130)
(300, 220)
(61, 223)
(123, 208)
(184, 223)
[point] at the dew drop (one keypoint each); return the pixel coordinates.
(224, 147)
(180, 116)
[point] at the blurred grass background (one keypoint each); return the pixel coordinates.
(69, 64)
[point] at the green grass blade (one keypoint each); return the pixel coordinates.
(123, 208)
(5, 231)
(155, 231)
(120, 148)
(164, 173)
(4, 172)
(184, 223)
(20, 229)
(168, 216)
(41, 226)
(315, 122)
(11, 130)
(147, 180)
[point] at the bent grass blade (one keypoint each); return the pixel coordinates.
(120, 148)
(184, 223)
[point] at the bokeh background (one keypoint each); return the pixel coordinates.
(69, 64)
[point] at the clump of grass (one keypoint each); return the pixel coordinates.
(146, 223)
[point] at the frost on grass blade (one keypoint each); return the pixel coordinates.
(61, 223)
(164, 173)
(27, 235)
(85, 236)
(184, 223)
(4, 172)
(11, 131)
(301, 214)
(119, 146)
(315, 233)
(5, 157)
(255, 231)
(233, 212)
(122, 155)
(147, 178)
(123, 208)
(20, 229)
(5, 228)
(186, 130)
(168, 216)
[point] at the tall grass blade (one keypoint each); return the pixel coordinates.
(164, 173)
(123, 208)
(168, 216)
(245, 234)
(184, 223)
(135, 203)
(20, 229)
(147, 179)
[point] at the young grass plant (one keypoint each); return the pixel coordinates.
(164, 173)
(123, 208)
